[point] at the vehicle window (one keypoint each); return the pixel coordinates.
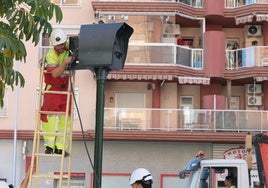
(213, 177)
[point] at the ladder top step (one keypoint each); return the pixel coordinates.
(49, 155)
(51, 176)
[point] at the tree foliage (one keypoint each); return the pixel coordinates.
(21, 20)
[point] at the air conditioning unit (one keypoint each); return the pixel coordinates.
(111, 18)
(254, 88)
(254, 30)
(171, 29)
(254, 100)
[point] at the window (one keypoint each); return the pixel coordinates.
(172, 180)
(113, 180)
(77, 181)
(215, 176)
(131, 116)
(3, 111)
(66, 2)
(187, 106)
(130, 100)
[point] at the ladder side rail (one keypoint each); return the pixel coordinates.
(72, 87)
(35, 159)
(68, 119)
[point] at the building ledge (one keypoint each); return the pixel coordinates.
(160, 136)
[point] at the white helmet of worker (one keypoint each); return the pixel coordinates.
(3, 184)
(142, 176)
(58, 36)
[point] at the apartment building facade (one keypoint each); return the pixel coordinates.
(195, 78)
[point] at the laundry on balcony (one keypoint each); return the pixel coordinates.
(193, 80)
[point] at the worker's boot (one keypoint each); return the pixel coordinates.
(48, 150)
(59, 152)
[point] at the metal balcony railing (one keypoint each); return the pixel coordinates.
(185, 119)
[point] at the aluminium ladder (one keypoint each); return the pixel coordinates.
(46, 168)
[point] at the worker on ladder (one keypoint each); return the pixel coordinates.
(56, 78)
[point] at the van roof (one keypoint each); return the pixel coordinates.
(223, 162)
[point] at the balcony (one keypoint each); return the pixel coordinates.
(164, 54)
(247, 57)
(170, 54)
(193, 3)
(134, 119)
(236, 3)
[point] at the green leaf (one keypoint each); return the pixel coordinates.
(21, 24)
(58, 13)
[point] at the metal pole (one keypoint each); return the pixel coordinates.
(14, 178)
(101, 74)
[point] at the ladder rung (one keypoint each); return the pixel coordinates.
(52, 134)
(64, 72)
(48, 155)
(52, 112)
(50, 176)
(57, 92)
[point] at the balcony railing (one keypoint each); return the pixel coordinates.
(237, 3)
(193, 3)
(172, 54)
(164, 53)
(188, 119)
(247, 57)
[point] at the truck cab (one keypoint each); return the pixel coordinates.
(212, 173)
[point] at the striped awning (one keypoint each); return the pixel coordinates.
(249, 18)
(138, 77)
(244, 19)
(193, 80)
(261, 17)
(261, 78)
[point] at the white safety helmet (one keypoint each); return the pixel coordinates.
(3, 184)
(141, 174)
(58, 36)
